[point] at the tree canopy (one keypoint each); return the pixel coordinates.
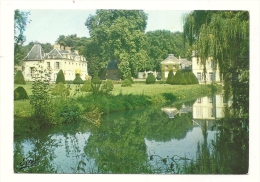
(119, 35)
(223, 35)
(21, 19)
(160, 43)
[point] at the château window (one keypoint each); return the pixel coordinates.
(57, 65)
(48, 65)
(199, 76)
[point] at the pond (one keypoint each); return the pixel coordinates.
(149, 140)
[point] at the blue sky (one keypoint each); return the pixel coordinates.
(47, 25)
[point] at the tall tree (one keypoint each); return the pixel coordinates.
(160, 43)
(21, 19)
(119, 34)
(223, 35)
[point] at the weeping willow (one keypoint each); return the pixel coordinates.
(223, 35)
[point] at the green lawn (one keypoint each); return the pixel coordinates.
(138, 88)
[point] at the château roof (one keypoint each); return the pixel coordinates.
(171, 59)
(36, 53)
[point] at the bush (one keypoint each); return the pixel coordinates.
(129, 77)
(170, 77)
(126, 83)
(78, 80)
(95, 83)
(20, 93)
(86, 87)
(18, 78)
(60, 77)
(159, 77)
(150, 79)
(61, 90)
(107, 87)
(187, 78)
(193, 78)
(41, 102)
(68, 112)
(178, 79)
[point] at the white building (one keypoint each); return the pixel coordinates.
(59, 58)
(212, 70)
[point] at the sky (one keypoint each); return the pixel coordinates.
(47, 25)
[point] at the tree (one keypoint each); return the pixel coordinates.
(160, 43)
(60, 90)
(150, 79)
(193, 78)
(178, 79)
(223, 35)
(95, 84)
(20, 93)
(60, 77)
(119, 35)
(187, 78)
(170, 77)
(18, 78)
(21, 19)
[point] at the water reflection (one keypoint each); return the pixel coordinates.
(141, 141)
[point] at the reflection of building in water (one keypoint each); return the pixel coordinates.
(172, 111)
(208, 109)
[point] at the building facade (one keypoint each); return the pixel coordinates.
(59, 58)
(212, 70)
(173, 63)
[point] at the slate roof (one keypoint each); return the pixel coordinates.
(171, 59)
(35, 54)
(185, 62)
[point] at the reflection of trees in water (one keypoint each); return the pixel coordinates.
(228, 153)
(118, 147)
(161, 128)
(38, 159)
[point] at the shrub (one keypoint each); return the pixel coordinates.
(150, 79)
(193, 78)
(178, 79)
(170, 77)
(187, 78)
(86, 87)
(20, 93)
(41, 102)
(68, 112)
(126, 83)
(107, 87)
(95, 83)
(60, 77)
(18, 78)
(159, 77)
(129, 77)
(78, 80)
(61, 90)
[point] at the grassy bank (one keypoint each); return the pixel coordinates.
(121, 98)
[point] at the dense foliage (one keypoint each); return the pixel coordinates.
(187, 78)
(161, 43)
(60, 90)
(193, 78)
(95, 84)
(224, 35)
(107, 86)
(178, 79)
(126, 83)
(150, 79)
(20, 93)
(18, 78)
(41, 101)
(60, 77)
(170, 77)
(21, 19)
(86, 87)
(78, 80)
(119, 35)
